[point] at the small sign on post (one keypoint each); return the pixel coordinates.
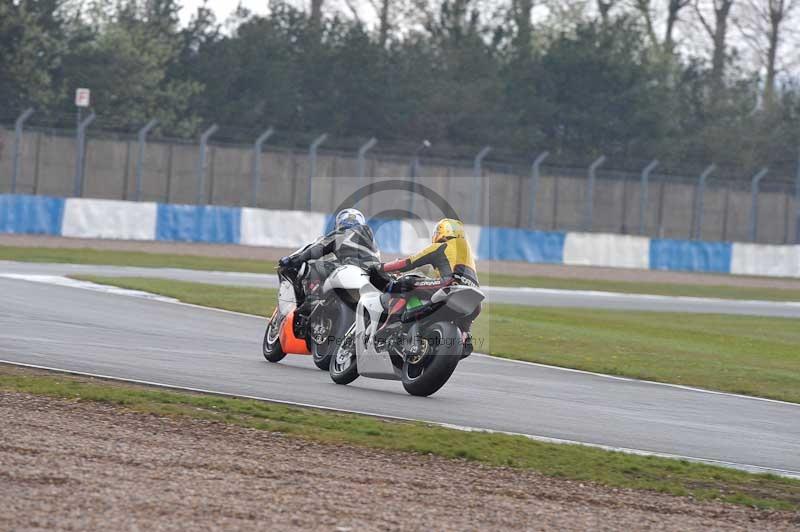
(83, 97)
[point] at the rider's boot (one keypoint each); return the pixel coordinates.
(466, 337)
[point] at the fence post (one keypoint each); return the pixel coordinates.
(80, 149)
(756, 181)
(588, 215)
(312, 167)
(797, 202)
(140, 156)
(361, 164)
(200, 171)
(18, 128)
(255, 167)
(414, 171)
(535, 175)
(697, 215)
(477, 192)
(643, 189)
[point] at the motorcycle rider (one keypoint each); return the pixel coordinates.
(351, 241)
(451, 258)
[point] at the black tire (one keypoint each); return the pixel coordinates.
(341, 371)
(342, 317)
(271, 347)
(321, 353)
(442, 353)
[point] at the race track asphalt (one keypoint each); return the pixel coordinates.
(536, 297)
(185, 346)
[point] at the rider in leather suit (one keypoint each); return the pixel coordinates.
(352, 241)
(451, 257)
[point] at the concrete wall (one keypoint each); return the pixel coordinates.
(169, 175)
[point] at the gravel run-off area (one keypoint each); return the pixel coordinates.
(89, 466)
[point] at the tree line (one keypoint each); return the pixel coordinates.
(684, 81)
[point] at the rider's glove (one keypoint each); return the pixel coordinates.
(286, 262)
(398, 286)
(378, 277)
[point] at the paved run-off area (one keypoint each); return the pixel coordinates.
(61, 470)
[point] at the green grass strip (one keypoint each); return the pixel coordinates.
(650, 288)
(160, 260)
(134, 258)
(574, 462)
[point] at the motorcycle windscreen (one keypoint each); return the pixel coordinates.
(289, 342)
(286, 298)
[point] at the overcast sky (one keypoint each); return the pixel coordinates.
(694, 40)
(222, 8)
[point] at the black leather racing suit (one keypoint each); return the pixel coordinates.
(354, 245)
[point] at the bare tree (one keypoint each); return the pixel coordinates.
(604, 7)
(316, 14)
(521, 13)
(645, 9)
(563, 15)
(674, 8)
(762, 23)
(718, 33)
(383, 15)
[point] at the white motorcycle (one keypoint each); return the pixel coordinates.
(333, 315)
(405, 338)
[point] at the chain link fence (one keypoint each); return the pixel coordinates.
(114, 165)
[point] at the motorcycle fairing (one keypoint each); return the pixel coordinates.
(289, 342)
(371, 362)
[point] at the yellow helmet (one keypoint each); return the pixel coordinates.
(446, 229)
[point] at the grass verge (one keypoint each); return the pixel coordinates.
(630, 287)
(740, 354)
(133, 258)
(574, 462)
(159, 260)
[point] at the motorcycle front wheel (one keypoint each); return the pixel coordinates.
(271, 346)
(426, 371)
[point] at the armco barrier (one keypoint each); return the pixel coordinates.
(500, 243)
(280, 229)
(690, 256)
(125, 220)
(190, 223)
(772, 261)
(32, 215)
(599, 249)
(87, 218)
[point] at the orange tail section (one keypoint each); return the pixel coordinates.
(289, 342)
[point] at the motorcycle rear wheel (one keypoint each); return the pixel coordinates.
(341, 318)
(322, 353)
(343, 368)
(442, 352)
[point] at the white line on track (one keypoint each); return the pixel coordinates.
(544, 439)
